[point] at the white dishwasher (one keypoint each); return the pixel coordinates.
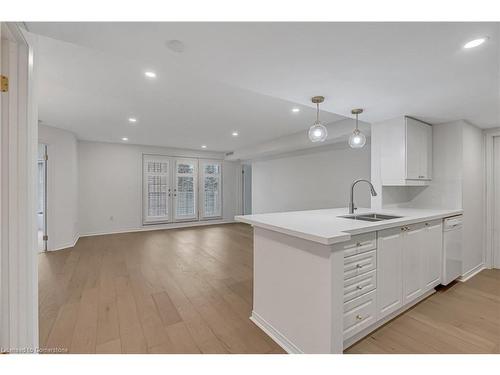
(452, 249)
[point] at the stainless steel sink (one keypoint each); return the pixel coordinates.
(370, 217)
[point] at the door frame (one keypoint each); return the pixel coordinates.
(492, 255)
(46, 195)
(18, 245)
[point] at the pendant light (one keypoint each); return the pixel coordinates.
(357, 138)
(317, 132)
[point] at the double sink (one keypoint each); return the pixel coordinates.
(373, 217)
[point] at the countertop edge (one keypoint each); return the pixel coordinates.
(346, 235)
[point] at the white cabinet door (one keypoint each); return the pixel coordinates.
(426, 154)
(412, 262)
(432, 249)
(389, 267)
(418, 150)
(413, 149)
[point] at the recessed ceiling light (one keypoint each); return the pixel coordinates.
(475, 42)
(125, 139)
(150, 74)
(295, 110)
(203, 146)
(235, 134)
(132, 120)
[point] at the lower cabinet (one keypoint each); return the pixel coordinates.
(412, 261)
(389, 267)
(408, 264)
(432, 254)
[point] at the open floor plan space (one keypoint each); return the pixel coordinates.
(190, 291)
(167, 291)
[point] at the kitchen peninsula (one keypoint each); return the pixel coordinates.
(324, 279)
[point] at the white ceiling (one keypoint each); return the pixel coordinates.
(248, 76)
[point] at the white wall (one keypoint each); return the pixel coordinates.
(313, 179)
(62, 192)
(473, 197)
(111, 186)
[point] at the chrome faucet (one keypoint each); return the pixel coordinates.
(351, 200)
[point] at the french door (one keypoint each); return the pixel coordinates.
(156, 189)
(185, 194)
(170, 189)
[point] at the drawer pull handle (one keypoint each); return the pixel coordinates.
(359, 266)
(359, 317)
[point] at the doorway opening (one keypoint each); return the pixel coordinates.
(247, 189)
(41, 213)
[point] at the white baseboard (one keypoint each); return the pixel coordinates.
(273, 333)
(471, 273)
(142, 229)
(151, 227)
(66, 245)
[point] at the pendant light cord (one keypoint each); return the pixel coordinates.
(317, 113)
(356, 121)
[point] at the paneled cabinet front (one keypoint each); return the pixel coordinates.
(389, 267)
(408, 264)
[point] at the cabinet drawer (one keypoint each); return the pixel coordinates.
(359, 285)
(360, 243)
(359, 264)
(359, 314)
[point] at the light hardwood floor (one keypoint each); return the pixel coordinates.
(190, 291)
(461, 318)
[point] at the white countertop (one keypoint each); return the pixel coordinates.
(325, 227)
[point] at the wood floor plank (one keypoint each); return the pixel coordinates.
(85, 332)
(131, 333)
(181, 339)
(110, 347)
(168, 312)
(61, 335)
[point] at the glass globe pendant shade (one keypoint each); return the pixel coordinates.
(357, 139)
(317, 132)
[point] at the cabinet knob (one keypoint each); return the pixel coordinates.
(359, 287)
(359, 266)
(359, 317)
(358, 244)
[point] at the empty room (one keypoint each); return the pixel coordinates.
(254, 187)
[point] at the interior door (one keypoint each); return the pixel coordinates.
(389, 275)
(185, 190)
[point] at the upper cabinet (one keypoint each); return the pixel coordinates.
(405, 151)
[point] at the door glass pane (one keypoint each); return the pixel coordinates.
(157, 189)
(211, 191)
(185, 195)
(185, 168)
(212, 168)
